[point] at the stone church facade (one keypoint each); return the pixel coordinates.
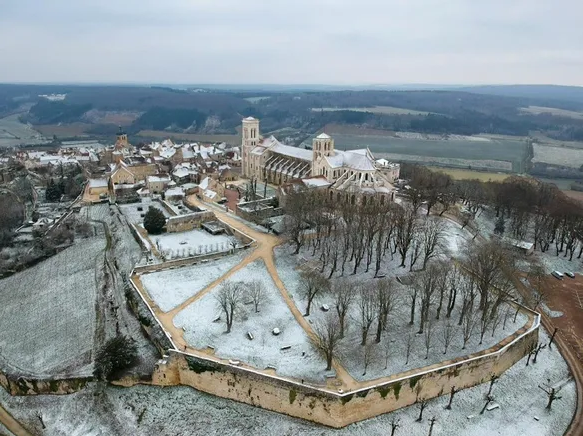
(354, 173)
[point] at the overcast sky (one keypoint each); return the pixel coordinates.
(292, 41)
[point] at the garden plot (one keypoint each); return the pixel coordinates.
(389, 356)
(48, 313)
(135, 216)
(171, 410)
(300, 360)
(192, 242)
(170, 288)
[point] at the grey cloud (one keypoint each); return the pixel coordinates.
(299, 41)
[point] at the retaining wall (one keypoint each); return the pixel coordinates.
(32, 386)
(336, 409)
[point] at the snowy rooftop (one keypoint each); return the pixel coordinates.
(287, 150)
(323, 136)
(154, 179)
(316, 182)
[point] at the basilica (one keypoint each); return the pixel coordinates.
(353, 173)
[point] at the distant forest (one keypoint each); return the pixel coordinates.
(494, 110)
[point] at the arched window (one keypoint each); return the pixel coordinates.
(382, 199)
(364, 200)
(352, 199)
(338, 197)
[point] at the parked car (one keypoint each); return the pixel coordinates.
(570, 274)
(557, 274)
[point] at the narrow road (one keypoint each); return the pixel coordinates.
(12, 424)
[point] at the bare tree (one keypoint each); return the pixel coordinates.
(387, 348)
(343, 299)
(427, 336)
(409, 340)
(538, 350)
(452, 392)
(552, 394)
(367, 356)
(448, 334)
(484, 324)
(367, 311)
(432, 238)
(395, 424)
(469, 322)
(256, 292)
(536, 277)
(406, 225)
(312, 284)
(327, 337)
(431, 424)
(493, 380)
(426, 282)
(489, 399)
(229, 301)
(385, 303)
(415, 251)
(553, 337)
(422, 406)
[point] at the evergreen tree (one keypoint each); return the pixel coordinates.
(154, 221)
(53, 193)
(116, 355)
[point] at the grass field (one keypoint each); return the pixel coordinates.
(537, 110)
(459, 174)
(161, 134)
(494, 154)
(386, 110)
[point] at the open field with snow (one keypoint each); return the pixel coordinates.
(537, 110)
(386, 110)
(171, 287)
(495, 154)
(48, 312)
(300, 361)
(170, 411)
(568, 157)
(13, 133)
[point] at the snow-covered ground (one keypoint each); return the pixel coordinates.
(127, 250)
(194, 241)
(395, 340)
(48, 312)
(171, 287)
(146, 410)
(300, 361)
